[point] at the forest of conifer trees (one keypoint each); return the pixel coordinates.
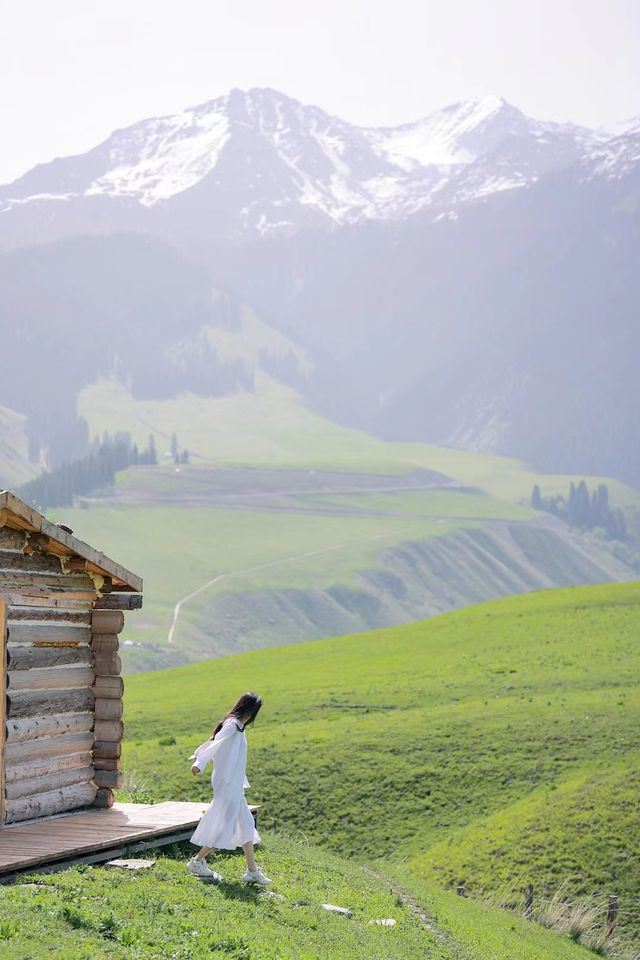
(584, 510)
(97, 470)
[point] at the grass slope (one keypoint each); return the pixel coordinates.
(274, 427)
(470, 746)
(92, 913)
(262, 563)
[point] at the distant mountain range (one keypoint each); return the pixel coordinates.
(258, 163)
(468, 279)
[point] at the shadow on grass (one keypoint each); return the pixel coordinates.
(238, 890)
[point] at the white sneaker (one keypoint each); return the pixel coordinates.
(199, 869)
(256, 876)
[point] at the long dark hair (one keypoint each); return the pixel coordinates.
(249, 703)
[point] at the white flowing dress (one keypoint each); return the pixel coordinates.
(227, 823)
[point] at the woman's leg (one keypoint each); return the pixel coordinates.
(249, 856)
(202, 853)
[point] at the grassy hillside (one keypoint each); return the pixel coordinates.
(92, 913)
(274, 427)
(254, 556)
(497, 745)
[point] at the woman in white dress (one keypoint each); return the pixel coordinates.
(227, 823)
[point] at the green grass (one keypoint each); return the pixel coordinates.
(469, 746)
(482, 931)
(273, 427)
(269, 563)
(181, 549)
(93, 913)
(427, 503)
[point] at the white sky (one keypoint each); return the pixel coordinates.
(71, 71)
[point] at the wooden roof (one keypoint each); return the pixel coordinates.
(15, 513)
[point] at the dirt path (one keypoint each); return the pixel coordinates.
(425, 921)
(264, 566)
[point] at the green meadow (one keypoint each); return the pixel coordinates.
(93, 913)
(261, 556)
(273, 427)
(494, 746)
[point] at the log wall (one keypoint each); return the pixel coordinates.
(49, 677)
(108, 690)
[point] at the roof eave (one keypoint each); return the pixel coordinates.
(15, 513)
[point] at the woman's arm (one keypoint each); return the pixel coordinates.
(206, 753)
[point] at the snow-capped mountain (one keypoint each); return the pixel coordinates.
(260, 163)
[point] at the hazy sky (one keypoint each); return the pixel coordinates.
(71, 71)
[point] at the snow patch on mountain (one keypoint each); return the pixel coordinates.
(265, 164)
(158, 158)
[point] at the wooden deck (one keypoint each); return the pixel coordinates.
(92, 836)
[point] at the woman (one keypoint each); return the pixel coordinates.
(227, 823)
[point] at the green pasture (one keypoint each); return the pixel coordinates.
(179, 550)
(96, 914)
(273, 427)
(496, 745)
(424, 503)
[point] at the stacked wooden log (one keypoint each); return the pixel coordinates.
(108, 690)
(49, 704)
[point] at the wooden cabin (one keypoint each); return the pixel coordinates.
(62, 607)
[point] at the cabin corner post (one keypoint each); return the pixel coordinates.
(108, 689)
(3, 674)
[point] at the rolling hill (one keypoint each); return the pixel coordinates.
(493, 746)
(290, 550)
(97, 913)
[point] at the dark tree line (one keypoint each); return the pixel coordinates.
(178, 456)
(584, 510)
(59, 487)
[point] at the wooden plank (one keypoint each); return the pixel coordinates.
(108, 688)
(109, 666)
(77, 613)
(47, 631)
(41, 598)
(111, 779)
(46, 765)
(109, 730)
(64, 677)
(13, 580)
(107, 749)
(107, 621)
(33, 703)
(3, 671)
(24, 656)
(105, 709)
(48, 725)
(105, 644)
(48, 844)
(104, 798)
(106, 763)
(60, 746)
(26, 787)
(53, 801)
(119, 601)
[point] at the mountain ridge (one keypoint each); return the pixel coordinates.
(291, 165)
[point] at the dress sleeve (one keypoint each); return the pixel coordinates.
(207, 751)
